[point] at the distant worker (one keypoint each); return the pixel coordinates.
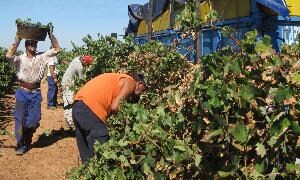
(52, 83)
(97, 100)
(30, 68)
(75, 67)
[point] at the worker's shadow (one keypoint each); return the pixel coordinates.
(52, 136)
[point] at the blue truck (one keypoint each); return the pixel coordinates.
(280, 19)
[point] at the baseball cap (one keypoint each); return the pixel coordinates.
(88, 59)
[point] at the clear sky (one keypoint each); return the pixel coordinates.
(72, 19)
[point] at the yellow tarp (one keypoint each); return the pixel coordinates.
(204, 10)
(227, 9)
(160, 23)
(294, 7)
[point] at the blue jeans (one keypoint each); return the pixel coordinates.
(27, 114)
(52, 92)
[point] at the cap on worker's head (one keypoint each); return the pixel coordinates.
(88, 59)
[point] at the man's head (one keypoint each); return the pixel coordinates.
(86, 60)
(140, 82)
(139, 87)
(31, 45)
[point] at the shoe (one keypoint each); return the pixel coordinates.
(51, 107)
(21, 150)
(70, 125)
(28, 134)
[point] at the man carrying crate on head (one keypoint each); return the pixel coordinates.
(30, 70)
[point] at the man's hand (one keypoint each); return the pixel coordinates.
(12, 50)
(18, 37)
(53, 40)
(55, 80)
(50, 28)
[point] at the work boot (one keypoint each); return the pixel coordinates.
(21, 149)
(28, 134)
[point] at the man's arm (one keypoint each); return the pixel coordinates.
(127, 87)
(54, 50)
(54, 41)
(12, 50)
(79, 72)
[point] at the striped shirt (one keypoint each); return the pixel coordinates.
(32, 70)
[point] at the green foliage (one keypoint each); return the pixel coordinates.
(235, 115)
(64, 59)
(7, 73)
(27, 22)
(257, 106)
(144, 144)
(188, 18)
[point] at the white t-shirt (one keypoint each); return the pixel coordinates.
(75, 67)
(52, 62)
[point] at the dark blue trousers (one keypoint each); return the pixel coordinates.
(89, 129)
(27, 114)
(52, 92)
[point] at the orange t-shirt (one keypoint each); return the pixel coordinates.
(99, 93)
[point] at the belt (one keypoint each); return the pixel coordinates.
(30, 86)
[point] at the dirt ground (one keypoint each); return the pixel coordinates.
(53, 151)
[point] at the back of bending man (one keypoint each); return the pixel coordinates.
(98, 99)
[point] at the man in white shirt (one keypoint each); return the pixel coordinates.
(75, 67)
(30, 68)
(52, 83)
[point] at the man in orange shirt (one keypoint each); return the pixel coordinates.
(98, 99)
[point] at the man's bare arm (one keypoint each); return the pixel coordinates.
(12, 50)
(54, 41)
(127, 87)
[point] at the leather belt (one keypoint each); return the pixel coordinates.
(30, 86)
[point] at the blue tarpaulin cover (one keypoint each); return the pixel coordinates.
(137, 12)
(279, 6)
(135, 15)
(159, 6)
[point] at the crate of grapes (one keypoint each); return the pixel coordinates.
(32, 31)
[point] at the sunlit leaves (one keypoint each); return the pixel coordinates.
(248, 92)
(232, 116)
(240, 133)
(7, 72)
(260, 149)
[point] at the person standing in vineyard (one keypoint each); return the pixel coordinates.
(52, 83)
(98, 99)
(75, 67)
(30, 68)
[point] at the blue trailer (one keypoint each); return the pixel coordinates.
(280, 19)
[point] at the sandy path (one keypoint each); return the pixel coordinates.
(53, 151)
